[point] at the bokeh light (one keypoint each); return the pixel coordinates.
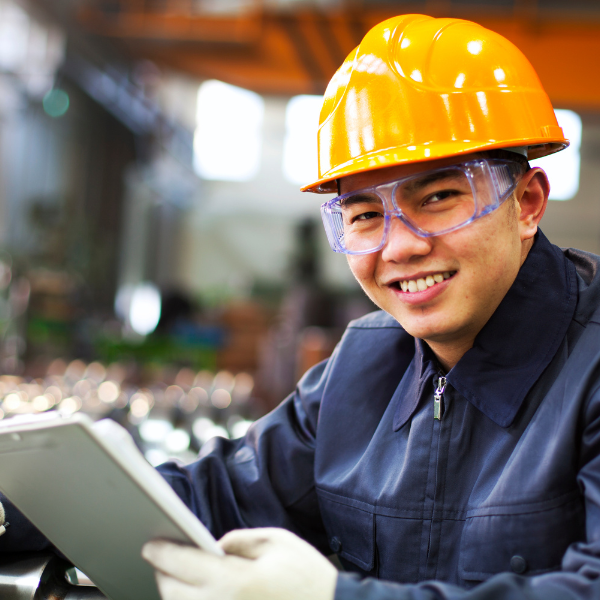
(56, 103)
(108, 392)
(70, 405)
(220, 398)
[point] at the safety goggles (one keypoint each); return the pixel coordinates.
(429, 204)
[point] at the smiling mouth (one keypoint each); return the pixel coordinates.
(420, 285)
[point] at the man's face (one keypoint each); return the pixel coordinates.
(479, 263)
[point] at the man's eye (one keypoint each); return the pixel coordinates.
(440, 196)
(367, 215)
(360, 212)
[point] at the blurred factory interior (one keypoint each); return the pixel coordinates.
(158, 263)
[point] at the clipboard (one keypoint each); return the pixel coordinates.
(91, 492)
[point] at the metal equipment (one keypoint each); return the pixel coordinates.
(40, 576)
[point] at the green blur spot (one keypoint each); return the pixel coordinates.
(56, 103)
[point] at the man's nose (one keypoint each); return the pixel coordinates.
(403, 243)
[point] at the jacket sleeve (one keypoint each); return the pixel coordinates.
(578, 578)
(263, 479)
(505, 586)
(20, 534)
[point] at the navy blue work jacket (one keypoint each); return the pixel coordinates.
(503, 489)
(500, 498)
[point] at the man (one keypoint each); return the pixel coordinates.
(450, 447)
(451, 444)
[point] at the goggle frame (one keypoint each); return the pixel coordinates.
(490, 168)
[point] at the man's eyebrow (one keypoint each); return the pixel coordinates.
(419, 183)
(360, 197)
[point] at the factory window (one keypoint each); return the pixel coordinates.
(563, 168)
(30, 50)
(14, 28)
(139, 307)
(227, 140)
(300, 146)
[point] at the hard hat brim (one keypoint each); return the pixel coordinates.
(536, 148)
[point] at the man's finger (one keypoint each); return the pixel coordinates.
(174, 589)
(251, 543)
(185, 563)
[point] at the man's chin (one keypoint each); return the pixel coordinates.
(438, 330)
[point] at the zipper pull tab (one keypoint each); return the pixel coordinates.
(438, 405)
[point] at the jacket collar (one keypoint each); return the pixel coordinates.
(408, 394)
(522, 336)
(514, 347)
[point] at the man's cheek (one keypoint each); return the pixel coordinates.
(363, 268)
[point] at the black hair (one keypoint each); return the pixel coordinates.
(502, 154)
(498, 153)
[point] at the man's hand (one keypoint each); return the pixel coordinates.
(261, 564)
(3, 523)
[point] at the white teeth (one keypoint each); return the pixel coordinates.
(421, 284)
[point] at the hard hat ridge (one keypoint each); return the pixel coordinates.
(419, 88)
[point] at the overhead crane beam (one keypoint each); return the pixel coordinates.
(297, 51)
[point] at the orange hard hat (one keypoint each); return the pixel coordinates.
(419, 88)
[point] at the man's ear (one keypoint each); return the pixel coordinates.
(532, 196)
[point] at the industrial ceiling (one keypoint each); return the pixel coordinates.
(293, 47)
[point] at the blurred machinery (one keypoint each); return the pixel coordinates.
(170, 416)
(42, 577)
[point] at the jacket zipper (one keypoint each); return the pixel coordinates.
(438, 412)
(438, 399)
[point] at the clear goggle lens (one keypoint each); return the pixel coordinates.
(430, 203)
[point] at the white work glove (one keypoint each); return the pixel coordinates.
(260, 564)
(3, 524)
